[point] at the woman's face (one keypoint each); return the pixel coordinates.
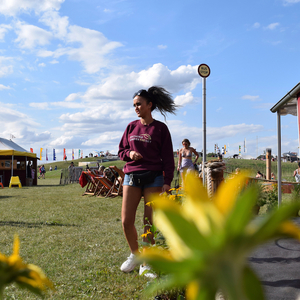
(141, 107)
(185, 144)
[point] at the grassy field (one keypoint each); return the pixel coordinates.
(77, 240)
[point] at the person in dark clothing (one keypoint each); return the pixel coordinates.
(146, 146)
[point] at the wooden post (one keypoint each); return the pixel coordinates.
(215, 170)
(216, 179)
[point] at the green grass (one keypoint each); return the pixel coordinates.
(77, 240)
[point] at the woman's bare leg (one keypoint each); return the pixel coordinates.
(148, 212)
(131, 200)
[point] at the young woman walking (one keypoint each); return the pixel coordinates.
(146, 146)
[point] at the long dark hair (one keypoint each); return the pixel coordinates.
(161, 99)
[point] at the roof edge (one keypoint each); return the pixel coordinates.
(291, 94)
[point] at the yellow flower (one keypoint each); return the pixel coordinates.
(209, 240)
(13, 269)
(144, 235)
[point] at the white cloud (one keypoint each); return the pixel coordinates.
(54, 61)
(20, 125)
(39, 105)
(61, 141)
(251, 98)
(42, 65)
(289, 2)
(162, 47)
(108, 137)
(72, 97)
(93, 50)
(184, 99)
(3, 87)
(59, 25)
(70, 105)
(272, 26)
(183, 78)
(216, 133)
(6, 67)
(3, 29)
(256, 25)
(179, 131)
(13, 7)
(30, 36)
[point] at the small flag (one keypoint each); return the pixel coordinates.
(46, 154)
(41, 153)
(72, 154)
(31, 150)
(54, 156)
(64, 157)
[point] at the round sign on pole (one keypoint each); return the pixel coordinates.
(204, 70)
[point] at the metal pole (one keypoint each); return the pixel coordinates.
(204, 126)
(12, 166)
(279, 157)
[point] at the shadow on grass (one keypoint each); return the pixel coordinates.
(5, 196)
(33, 225)
(43, 185)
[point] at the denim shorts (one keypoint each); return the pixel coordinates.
(158, 182)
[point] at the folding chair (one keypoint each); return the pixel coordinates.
(106, 186)
(93, 185)
(117, 188)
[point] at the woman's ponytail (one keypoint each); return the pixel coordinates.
(162, 100)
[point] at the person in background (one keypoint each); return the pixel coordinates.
(273, 177)
(50, 169)
(185, 162)
(147, 148)
(259, 175)
(297, 173)
(43, 172)
(101, 170)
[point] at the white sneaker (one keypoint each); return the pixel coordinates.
(129, 264)
(148, 274)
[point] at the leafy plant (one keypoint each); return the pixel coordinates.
(209, 240)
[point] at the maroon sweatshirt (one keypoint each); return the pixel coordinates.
(154, 143)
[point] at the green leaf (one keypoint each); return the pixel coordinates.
(242, 212)
(269, 225)
(187, 231)
(252, 285)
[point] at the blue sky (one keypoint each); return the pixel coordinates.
(69, 68)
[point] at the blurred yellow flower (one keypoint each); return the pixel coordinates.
(13, 269)
(209, 240)
(144, 235)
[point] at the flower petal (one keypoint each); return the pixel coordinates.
(227, 193)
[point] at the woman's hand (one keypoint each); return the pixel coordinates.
(166, 188)
(135, 155)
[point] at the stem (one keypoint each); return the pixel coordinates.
(2, 286)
